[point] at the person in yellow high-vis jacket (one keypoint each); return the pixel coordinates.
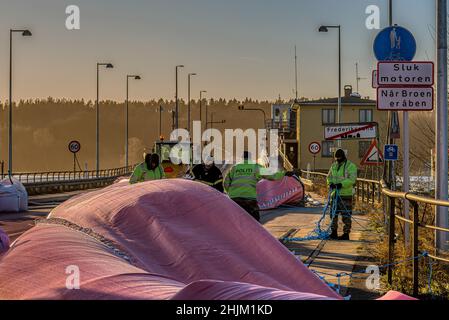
(148, 170)
(240, 184)
(341, 180)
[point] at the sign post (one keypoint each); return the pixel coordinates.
(314, 149)
(74, 147)
(404, 85)
(441, 185)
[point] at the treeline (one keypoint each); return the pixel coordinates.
(42, 128)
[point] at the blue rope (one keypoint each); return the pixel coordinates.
(430, 274)
(318, 233)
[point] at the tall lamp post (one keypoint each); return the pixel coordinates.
(127, 116)
(25, 33)
(201, 106)
(188, 112)
(339, 111)
(97, 126)
(176, 97)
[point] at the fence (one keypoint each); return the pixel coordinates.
(372, 192)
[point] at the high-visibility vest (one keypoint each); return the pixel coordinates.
(242, 179)
(142, 173)
(346, 174)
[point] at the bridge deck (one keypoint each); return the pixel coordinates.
(326, 257)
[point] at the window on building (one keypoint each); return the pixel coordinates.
(363, 148)
(327, 147)
(366, 115)
(328, 116)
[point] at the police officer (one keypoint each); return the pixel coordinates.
(240, 184)
(341, 180)
(209, 174)
(148, 170)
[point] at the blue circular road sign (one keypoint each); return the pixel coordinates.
(395, 44)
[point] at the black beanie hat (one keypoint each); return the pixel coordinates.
(340, 154)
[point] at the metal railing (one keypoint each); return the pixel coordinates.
(415, 202)
(69, 176)
(372, 192)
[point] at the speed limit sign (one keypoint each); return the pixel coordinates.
(315, 148)
(74, 147)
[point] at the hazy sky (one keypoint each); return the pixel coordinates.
(239, 48)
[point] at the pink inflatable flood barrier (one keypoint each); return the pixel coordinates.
(170, 239)
(273, 194)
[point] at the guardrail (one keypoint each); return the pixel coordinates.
(61, 181)
(63, 176)
(371, 192)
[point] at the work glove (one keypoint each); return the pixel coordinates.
(332, 186)
(339, 186)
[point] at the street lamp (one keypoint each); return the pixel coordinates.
(212, 122)
(326, 29)
(188, 112)
(127, 115)
(243, 108)
(176, 98)
(25, 33)
(97, 126)
(201, 107)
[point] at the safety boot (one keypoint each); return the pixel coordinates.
(344, 237)
(334, 235)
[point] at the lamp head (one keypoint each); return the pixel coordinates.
(27, 33)
(323, 29)
(138, 78)
(109, 66)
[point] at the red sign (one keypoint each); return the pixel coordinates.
(74, 146)
(373, 157)
(315, 148)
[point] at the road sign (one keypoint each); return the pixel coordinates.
(391, 152)
(394, 44)
(373, 157)
(315, 148)
(395, 129)
(405, 99)
(74, 147)
(351, 131)
(374, 83)
(405, 74)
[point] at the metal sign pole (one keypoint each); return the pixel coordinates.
(405, 174)
(441, 190)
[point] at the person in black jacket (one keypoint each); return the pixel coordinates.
(209, 174)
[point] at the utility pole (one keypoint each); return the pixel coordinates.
(296, 75)
(441, 188)
(357, 76)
